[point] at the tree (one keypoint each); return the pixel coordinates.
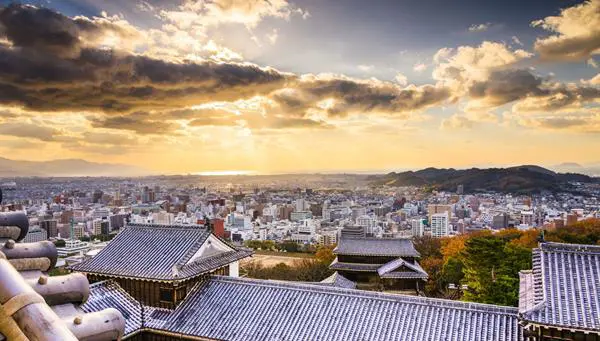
(491, 270)
(60, 243)
(325, 254)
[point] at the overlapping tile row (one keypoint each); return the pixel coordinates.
(210, 263)
(567, 286)
(376, 247)
(147, 252)
(248, 309)
(108, 294)
(337, 265)
(399, 268)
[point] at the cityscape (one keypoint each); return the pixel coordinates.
(299, 170)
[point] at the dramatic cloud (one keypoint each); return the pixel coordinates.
(247, 12)
(48, 68)
(480, 27)
(339, 96)
(577, 33)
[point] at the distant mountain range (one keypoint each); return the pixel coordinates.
(519, 179)
(66, 167)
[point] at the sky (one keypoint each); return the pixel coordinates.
(279, 86)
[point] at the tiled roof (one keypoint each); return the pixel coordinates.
(108, 294)
(238, 309)
(376, 247)
(337, 280)
(148, 251)
(210, 263)
(337, 265)
(407, 270)
(566, 286)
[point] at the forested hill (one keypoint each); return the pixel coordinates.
(519, 179)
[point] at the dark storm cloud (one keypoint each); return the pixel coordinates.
(54, 64)
(48, 68)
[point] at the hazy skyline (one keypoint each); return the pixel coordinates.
(290, 86)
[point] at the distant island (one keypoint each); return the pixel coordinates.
(519, 179)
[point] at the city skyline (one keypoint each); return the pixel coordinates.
(300, 86)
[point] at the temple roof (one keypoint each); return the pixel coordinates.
(363, 267)
(108, 294)
(275, 310)
(161, 252)
(337, 280)
(564, 287)
(399, 268)
(376, 247)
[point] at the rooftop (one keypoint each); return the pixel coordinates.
(161, 252)
(564, 287)
(277, 310)
(376, 247)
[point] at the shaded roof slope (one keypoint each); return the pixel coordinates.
(147, 251)
(566, 286)
(376, 247)
(272, 310)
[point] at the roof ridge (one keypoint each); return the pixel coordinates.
(170, 226)
(368, 294)
(548, 246)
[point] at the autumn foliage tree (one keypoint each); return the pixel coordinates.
(487, 264)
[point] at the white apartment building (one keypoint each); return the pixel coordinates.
(440, 224)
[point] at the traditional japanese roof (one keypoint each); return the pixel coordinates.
(376, 247)
(563, 288)
(237, 309)
(363, 267)
(399, 268)
(337, 280)
(160, 252)
(108, 294)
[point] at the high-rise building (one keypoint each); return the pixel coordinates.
(418, 228)
(439, 224)
(500, 221)
(436, 208)
(527, 218)
(51, 227)
(301, 205)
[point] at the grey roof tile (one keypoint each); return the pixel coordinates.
(154, 252)
(339, 281)
(108, 294)
(376, 247)
(274, 310)
(566, 281)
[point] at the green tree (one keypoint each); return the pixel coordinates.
(491, 270)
